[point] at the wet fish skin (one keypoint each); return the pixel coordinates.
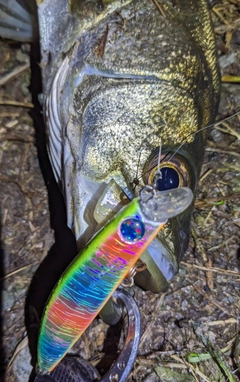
(126, 88)
(164, 83)
(118, 81)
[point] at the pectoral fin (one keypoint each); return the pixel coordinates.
(18, 20)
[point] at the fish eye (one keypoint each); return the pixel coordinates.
(173, 173)
(168, 179)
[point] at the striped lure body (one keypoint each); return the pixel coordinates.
(90, 280)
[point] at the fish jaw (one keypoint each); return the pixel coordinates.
(114, 95)
(110, 137)
(86, 164)
(163, 254)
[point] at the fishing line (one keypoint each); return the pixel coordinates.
(158, 174)
(202, 129)
(135, 181)
(185, 141)
(159, 159)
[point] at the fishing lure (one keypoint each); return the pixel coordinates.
(97, 271)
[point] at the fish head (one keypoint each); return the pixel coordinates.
(129, 80)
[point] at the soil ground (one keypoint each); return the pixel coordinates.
(190, 333)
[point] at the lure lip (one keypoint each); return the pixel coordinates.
(95, 273)
(86, 286)
(159, 206)
(174, 202)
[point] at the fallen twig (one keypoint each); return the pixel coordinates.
(14, 73)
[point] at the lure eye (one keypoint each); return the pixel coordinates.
(174, 173)
(132, 229)
(169, 179)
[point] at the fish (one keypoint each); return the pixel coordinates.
(128, 87)
(122, 79)
(94, 275)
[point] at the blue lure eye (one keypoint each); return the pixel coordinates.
(132, 229)
(169, 180)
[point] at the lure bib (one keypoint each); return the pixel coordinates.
(90, 280)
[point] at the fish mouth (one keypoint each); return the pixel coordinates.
(102, 205)
(79, 177)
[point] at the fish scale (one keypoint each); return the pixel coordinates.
(121, 80)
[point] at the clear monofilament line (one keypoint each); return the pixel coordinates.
(158, 174)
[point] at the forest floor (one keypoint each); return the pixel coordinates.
(190, 333)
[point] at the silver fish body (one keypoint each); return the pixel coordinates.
(121, 79)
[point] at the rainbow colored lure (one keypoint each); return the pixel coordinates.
(93, 276)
